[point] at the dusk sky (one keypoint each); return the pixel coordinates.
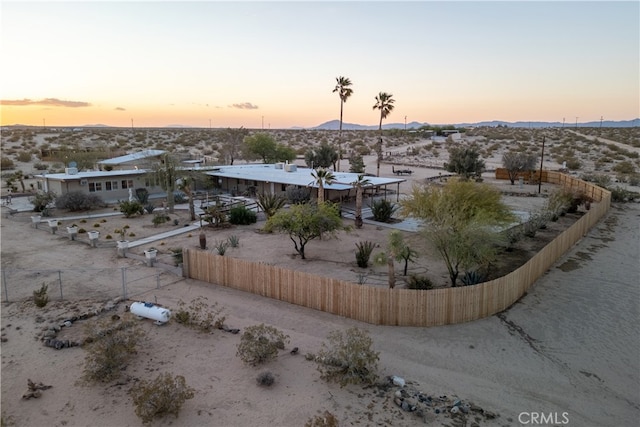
(232, 64)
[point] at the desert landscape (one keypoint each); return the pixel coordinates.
(569, 349)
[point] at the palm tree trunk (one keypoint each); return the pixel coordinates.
(340, 136)
(320, 193)
(358, 221)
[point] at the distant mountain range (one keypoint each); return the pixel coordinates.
(335, 125)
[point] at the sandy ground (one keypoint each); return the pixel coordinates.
(570, 348)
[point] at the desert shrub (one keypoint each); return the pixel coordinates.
(241, 215)
(625, 167)
(472, 277)
(132, 208)
(177, 255)
(347, 358)
(536, 221)
(622, 195)
(634, 179)
(200, 315)
(234, 241)
(179, 197)
(159, 218)
(81, 230)
(383, 210)
(221, 247)
(266, 379)
(41, 200)
(40, 166)
(163, 396)
(364, 253)
(149, 207)
(142, 194)
(75, 201)
(260, 344)
(40, 297)
(23, 156)
(298, 195)
(6, 163)
(419, 282)
(325, 420)
(111, 347)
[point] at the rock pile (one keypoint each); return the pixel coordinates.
(49, 334)
(429, 407)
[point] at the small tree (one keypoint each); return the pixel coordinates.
(462, 219)
(465, 161)
(322, 177)
(517, 162)
(41, 200)
(305, 222)
(395, 248)
(263, 146)
(323, 156)
(348, 358)
(356, 163)
(260, 344)
(163, 396)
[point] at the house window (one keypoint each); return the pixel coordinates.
(127, 184)
(284, 187)
(95, 186)
(111, 185)
(148, 182)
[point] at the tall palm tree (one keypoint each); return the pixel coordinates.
(322, 177)
(344, 92)
(359, 183)
(384, 103)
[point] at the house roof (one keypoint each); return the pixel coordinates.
(91, 174)
(301, 176)
(132, 157)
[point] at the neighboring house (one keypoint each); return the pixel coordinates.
(274, 179)
(111, 186)
(140, 160)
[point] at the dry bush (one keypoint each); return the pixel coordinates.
(161, 397)
(111, 347)
(325, 420)
(347, 358)
(260, 344)
(200, 315)
(40, 297)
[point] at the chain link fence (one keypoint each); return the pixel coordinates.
(86, 283)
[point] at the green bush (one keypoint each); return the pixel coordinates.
(234, 241)
(419, 282)
(260, 344)
(132, 208)
(163, 396)
(347, 358)
(6, 163)
(75, 201)
(383, 210)
(364, 253)
(473, 278)
(240, 215)
(159, 218)
(41, 200)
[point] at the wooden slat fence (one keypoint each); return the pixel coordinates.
(399, 307)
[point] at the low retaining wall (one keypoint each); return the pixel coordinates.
(398, 307)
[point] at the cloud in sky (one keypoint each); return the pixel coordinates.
(245, 106)
(120, 109)
(50, 102)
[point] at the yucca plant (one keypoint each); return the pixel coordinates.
(364, 253)
(270, 203)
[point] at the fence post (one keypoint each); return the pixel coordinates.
(157, 280)
(124, 283)
(4, 282)
(60, 283)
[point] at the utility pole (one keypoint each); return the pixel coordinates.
(577, 122)
(405, 124)
(541, 160)
(563, 122)
(209, 124)
(262, 122)
(131, 124)
(601, 122)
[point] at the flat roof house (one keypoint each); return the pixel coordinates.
(250, 179)
(140, 160)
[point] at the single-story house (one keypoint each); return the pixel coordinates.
(275, 178)
(111, 186)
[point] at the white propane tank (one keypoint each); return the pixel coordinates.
(151, 311)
